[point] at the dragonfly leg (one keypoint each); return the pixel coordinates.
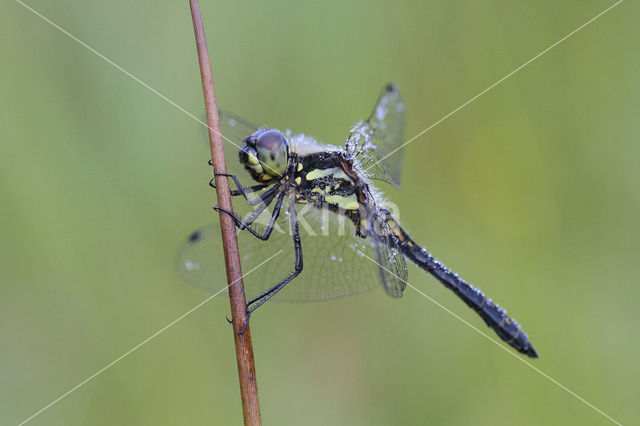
(266, 199)
(258, 301)
(246, 224)
(242, 190)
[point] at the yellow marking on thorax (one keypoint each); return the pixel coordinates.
(299, 166)
(340, 174)
(347, 203)
(318, 173)
(298, 180)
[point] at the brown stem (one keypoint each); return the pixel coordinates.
(244, 349)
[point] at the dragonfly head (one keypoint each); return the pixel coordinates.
(265, 154)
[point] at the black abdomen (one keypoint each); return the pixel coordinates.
(492, 314)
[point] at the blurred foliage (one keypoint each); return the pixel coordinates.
(530, 192)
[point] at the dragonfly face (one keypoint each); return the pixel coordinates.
(298, 175)
(265, 155)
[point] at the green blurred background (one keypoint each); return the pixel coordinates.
(531, 192)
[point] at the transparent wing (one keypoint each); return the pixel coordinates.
(392, 266)
(235, 128)
(334, 260)
(375, 143)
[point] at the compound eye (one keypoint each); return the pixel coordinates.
(273, 151)
(270, 141)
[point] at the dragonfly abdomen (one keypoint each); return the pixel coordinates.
(492, 314)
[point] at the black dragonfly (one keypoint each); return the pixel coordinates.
(327, 194)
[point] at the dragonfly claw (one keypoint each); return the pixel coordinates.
(220, 209)
(236, 219)
(245, 325)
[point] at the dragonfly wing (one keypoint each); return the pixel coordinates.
(199, 262)
(376, 143)
(200, 259)
(235, 128)
(334, 263)
(392, 266)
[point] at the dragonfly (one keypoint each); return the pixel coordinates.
(322, 200)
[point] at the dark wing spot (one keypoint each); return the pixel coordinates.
(196, 236)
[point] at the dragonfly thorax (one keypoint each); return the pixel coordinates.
(265, 154)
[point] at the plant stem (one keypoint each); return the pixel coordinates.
(244, 348)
